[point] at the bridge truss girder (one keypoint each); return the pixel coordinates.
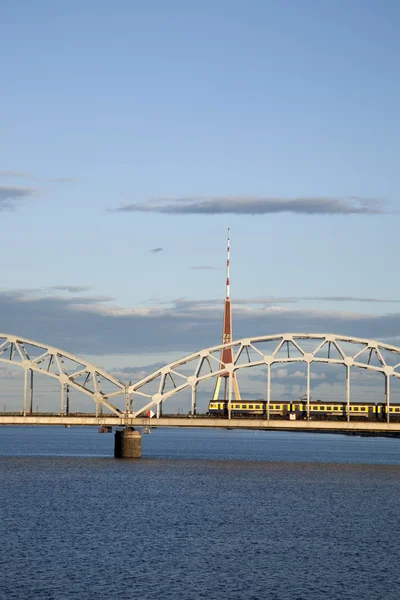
(349, 351)
(67, 368)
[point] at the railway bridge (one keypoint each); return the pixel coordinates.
(126, 404)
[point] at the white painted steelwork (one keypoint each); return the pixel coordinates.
(350, 352)
(73, 371)
(67, 368)
(374, 427)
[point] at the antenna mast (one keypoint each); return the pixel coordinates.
(228, 264)
(226, 353)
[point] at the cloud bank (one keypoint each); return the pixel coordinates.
(247, 205)
(95, 325)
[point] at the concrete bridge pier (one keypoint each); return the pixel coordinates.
(128, 443)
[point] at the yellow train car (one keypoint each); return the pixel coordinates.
(319, 409)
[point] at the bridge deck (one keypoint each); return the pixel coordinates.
(275, 424)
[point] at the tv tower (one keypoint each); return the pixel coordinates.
(227, 353)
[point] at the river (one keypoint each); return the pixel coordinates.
(204, 514)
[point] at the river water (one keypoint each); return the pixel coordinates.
(205, 514)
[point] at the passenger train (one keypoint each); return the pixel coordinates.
(298, 409)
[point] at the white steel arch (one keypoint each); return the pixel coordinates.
(67, 368)
(284, 348)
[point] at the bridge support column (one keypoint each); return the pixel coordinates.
(348, 392)
(62, 407)
(194, 393)
(387, 394)
(31, 393)
(268, 390)
(128, 443)
(230, 395)
(308, 389)
(25, 390)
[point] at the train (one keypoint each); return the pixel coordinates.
(297, 409)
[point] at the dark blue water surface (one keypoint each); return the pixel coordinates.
(205, 514)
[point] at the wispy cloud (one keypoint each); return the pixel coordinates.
(205, 268)
(247, 205)
(10, 195)
(17, 175)
(13, 174)
(204, 304)
(73, 289)
(351, 299)
(155, 250)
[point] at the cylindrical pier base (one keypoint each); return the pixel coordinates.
(127, 443)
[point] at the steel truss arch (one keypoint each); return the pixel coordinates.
(362, 355)
(68, 369)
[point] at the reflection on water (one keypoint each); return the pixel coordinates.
(206, 514)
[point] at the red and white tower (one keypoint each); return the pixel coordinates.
(227, 353)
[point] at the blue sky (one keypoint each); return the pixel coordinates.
(284, 109)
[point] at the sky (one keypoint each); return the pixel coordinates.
(133, 133)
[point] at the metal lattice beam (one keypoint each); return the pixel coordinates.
(285, 348)
(67, 368)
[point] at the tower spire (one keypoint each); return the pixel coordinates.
(227, 353)
(228, 264)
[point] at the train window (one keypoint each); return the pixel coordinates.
(237, 405)
(243, 405)
(258, 406)
(356, 408)
(329, 408)
(251, 406)
(335, 408)
(278, 406)
(397, 409)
